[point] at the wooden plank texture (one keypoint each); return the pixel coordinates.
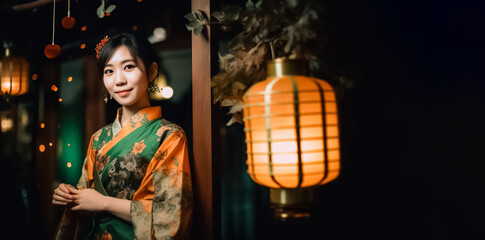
(205, 178)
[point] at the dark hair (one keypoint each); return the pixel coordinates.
(138, 46)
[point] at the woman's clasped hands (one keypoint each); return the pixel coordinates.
(78, 199)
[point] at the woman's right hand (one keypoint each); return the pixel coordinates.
(62, 195)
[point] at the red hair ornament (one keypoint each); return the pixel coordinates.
(100, 45)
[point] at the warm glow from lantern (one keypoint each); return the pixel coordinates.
(292, 132)
(41, 148)
(69, 79)
(54, 88)
(50, 144)
(83, 46)
(83, 28)
(42, 125)
(34, 77)
(69, 164)
(7, 124)
(60, 99)
(14, 76)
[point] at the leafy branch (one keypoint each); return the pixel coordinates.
(270, 29)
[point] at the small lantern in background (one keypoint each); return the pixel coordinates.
(68, 22)
(52, 50)
(292, 136)
(14, 72)
(6, 121)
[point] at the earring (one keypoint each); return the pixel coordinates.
(106, 98)
(152, 87)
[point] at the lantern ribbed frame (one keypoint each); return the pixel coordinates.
(14, 73)
(292, 133)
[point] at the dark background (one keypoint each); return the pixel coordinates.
(412, 124)
(411, 120)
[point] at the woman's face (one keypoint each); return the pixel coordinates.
(126, 82)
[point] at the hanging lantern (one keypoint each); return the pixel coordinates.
(292, 136)
(52, 50)
(68, 21)
(6, 121)
(14, 73)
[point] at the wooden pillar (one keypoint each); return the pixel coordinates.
(205, 173)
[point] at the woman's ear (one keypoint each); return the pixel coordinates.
(153, 71)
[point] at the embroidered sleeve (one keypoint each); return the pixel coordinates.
(162, 206)
(86, 178)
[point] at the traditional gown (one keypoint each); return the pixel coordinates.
(145, 161)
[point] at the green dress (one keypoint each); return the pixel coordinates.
(145, 161)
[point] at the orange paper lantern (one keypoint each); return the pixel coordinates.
(52, 51)
(14, 73)
(68, 22)
(292, 132)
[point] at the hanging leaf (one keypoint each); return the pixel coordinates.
(198, 30)
(292, 3)
(201, 16)
(236, 87)
(237, 107)
(228, 102)
(236, 117)
(110, 8)
(218, 15)
(190, 16)
(250, 5)
(197, 21)
(100, 11)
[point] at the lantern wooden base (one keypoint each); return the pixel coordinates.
(291, 203)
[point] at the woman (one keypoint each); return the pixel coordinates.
(135, 181)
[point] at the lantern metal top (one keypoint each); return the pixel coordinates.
(282, 66)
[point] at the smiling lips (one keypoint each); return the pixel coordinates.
(123, 92)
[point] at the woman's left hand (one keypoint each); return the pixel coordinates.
(88, 199)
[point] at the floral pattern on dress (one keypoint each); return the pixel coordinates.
(138, 118)
(139, 146)
(125, 175)
(102, 162)
(105, 236)
(167, 128)
(97, 134)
